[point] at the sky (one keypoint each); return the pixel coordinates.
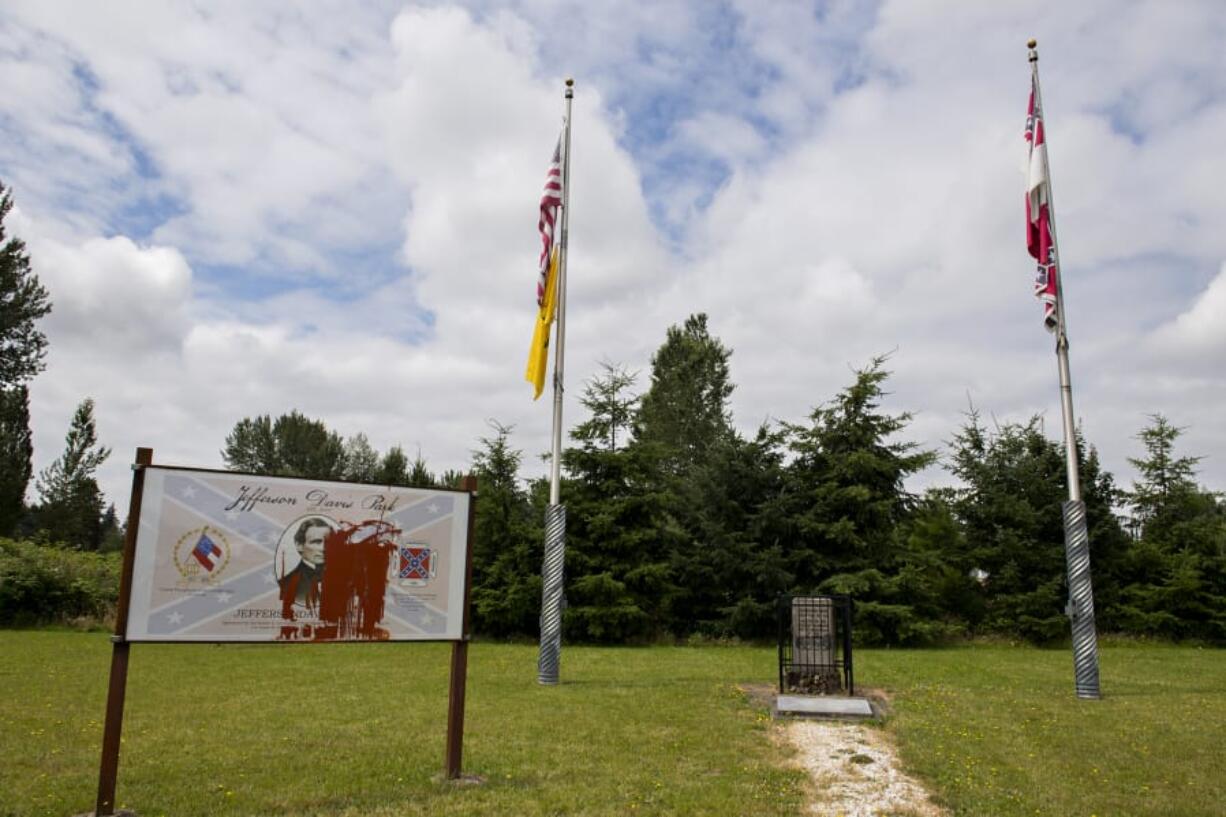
(249, 208)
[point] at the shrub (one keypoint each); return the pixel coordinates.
(48, 584)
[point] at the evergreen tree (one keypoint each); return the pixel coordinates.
(681, 423)
(1175, 573)
(1159, 497)
(611, 407)
(72, 504)
(293, 446)
(112, 531)
(419, 475)
(685, 410)
(23, 301)
(506, 583)
(361, 459)
(393, 468)
(1109, 543)
(732, 568)
(619, 536)
(1011, 510)
(847, 502)
(16, 456)
(930, 579)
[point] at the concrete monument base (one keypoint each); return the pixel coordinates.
(822, 706)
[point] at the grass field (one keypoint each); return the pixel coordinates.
(997, 730)
(359, 729)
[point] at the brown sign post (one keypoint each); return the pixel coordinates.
(396, 573)
(109, 768)
(459, 654)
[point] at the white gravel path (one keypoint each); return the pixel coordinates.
(855, 772)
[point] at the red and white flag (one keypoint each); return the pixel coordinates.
(551, 202)
(1038, 214)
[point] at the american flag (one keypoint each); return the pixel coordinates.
(1038, 213)
(551, 201)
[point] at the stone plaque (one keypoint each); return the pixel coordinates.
(814, 667)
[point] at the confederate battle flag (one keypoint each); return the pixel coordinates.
(1038, 214)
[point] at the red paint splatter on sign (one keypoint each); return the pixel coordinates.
(350, 594)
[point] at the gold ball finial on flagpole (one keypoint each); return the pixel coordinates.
(570, 82)
(1032, 43)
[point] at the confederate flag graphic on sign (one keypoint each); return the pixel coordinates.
(416, 564)
(206, 552)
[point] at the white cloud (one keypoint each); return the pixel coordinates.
(109, 292)
(873, 204)
(1200, 330)
(258, 118)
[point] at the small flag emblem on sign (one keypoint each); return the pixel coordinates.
(416, 564)
(206, 552)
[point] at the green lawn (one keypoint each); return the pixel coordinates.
(998, 730)
(359, 729)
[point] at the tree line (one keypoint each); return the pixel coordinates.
(679, 525)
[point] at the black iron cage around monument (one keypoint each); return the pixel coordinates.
(815, 645)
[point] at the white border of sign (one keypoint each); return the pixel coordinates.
(233, 592)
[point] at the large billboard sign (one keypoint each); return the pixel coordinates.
(233, 557)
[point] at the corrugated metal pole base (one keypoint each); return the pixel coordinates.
(1081, 600)
(551, 595)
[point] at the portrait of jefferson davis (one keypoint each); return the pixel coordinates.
(300, 583)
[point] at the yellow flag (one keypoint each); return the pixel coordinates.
(538, 355)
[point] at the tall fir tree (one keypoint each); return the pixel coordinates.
(619, 535)
(506, 582)
(393, 468)
(944, 596)
(732, 568)
(23, 301)
(1175, 575)
(682, 422)
(685, 409)
(16, 456)
(361, 459)
(1159, 497)
(1011, 511)
(71, 502)
(23, 347)
(420, 476)
(112, 530)
(847, 501)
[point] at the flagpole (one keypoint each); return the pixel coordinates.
(555, 514)
(555, 464)
(1080, 607)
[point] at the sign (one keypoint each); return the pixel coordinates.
(234, 557)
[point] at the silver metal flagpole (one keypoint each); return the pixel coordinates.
(552, 577)
(1080, 607)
